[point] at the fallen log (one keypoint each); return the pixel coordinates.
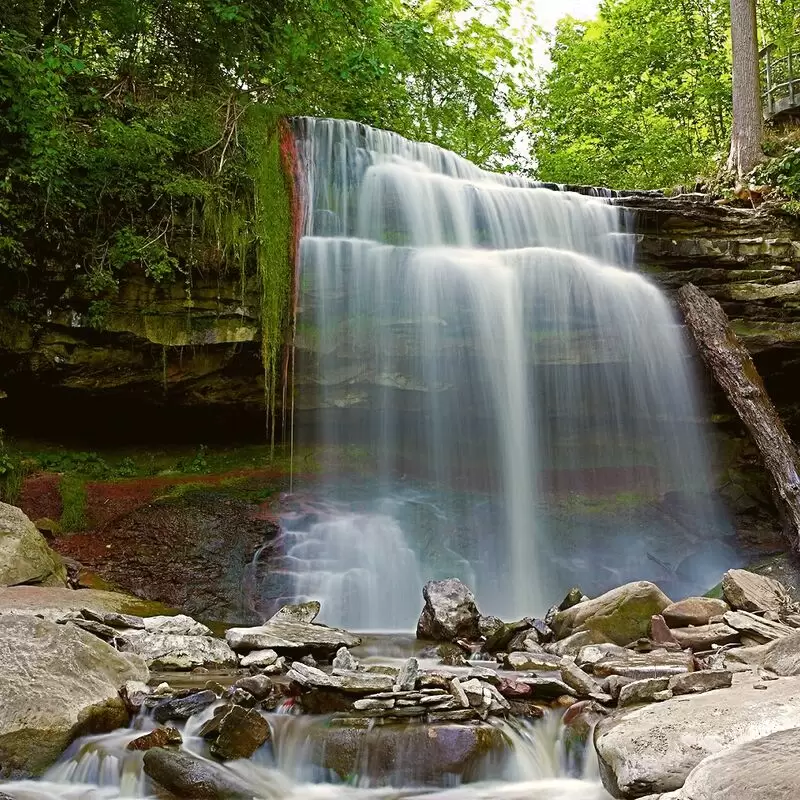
(734, 370)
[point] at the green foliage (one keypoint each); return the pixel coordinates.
(782, 172)
(11, 472)
(638, 98)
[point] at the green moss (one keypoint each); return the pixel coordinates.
(73, 503)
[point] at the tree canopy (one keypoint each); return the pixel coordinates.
(639, 97)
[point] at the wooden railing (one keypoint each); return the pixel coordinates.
(780, 81)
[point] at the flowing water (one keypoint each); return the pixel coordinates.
(533, 765)
(482, 337)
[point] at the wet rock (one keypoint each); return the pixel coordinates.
(704, 637)
(345, 660)
(693, 611)
(133, 694)
(25, 556)
(703, 681)
(297, 612)
(748, 591)
(621, 615)
(259, 686)
(543, 688)
(582, 683)
(239, 697)
(572, 598)
(290, 637)
(763, 768)
(240, 733)
(756, 628)
(179, 625)
(181, 708)
(421, 753)
(193, 778)
(646, 690)
(653, 748)
(656, 664)
(451, 655)
(176, 652)
(56, 682)
(449, 613)
(407, 678)
(160, 737)
(489, 628)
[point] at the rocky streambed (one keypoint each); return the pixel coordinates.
(629, 694)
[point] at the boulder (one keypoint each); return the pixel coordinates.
(178, 625)
(580, 682)
(762, 768)
(194, 778)
(532, 662)
(704, 637)
(588, 656)
(259, 686)
(693, 611)
(259, 658)
(291, 637)
(56, 682)
(783, 656)
(574, 643)
(655, 664)
(747, 591)
(177, 652)
(703, 681)
(25, 557)
(621, 616)
(240, 733)
(651, 749)
(450, 612)
(758, 629)
(351, 682)
(647, 690)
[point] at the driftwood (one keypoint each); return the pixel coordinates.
(734, 370)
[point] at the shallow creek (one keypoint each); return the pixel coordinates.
(534, 761)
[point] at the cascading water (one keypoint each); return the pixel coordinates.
(485, 342)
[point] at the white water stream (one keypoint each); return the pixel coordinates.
(101, 768)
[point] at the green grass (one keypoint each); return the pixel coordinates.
(73, 503)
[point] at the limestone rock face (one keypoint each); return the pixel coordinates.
(56, 682)
(24, 555)
(652, 749)
(765, 768)
(622, 615)
(450, 612)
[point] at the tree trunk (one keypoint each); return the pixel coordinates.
(734, 370)
(747, 125)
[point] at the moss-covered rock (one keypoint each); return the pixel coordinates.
(620, 616)
(25, 557)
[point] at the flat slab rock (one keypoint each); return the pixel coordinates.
(178, 652)
(648, 750)
(350, 682)
(747, 591)
(282, 635)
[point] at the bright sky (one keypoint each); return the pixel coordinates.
(549, 12)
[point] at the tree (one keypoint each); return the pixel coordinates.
(638, 98)
(746, 130)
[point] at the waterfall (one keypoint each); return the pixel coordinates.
(486, 343)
